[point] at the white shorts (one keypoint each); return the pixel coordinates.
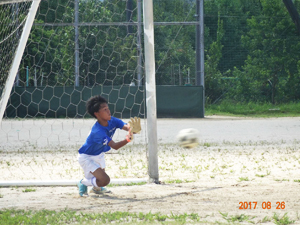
(90, 163)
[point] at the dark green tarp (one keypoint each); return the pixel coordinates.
(124, 101)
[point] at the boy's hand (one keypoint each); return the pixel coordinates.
(135, 125)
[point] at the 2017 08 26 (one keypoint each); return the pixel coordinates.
(264, 205)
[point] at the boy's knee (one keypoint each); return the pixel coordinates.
(104, 181)
(108, 180)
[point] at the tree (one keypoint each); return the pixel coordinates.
(174, 44)
(271, 66)
(213, 86)
(225, 23)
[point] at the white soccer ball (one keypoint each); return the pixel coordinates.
(188, 138)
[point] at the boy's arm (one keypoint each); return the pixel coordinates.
(129, 137)
(117, 145)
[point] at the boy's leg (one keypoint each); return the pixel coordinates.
(101, 189)
(99, 179)
(102, 179)
(97, 189)
(88, 164)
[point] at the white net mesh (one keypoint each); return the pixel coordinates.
(12, 17)
(76, 49)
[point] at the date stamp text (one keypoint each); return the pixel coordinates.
(263, 205)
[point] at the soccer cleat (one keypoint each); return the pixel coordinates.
(82, 188)
(99, 191)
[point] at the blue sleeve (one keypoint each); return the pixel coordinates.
(119, 123)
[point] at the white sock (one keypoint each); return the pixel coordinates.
(87, 182)
(94, 183)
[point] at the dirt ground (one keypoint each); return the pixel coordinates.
(205, 197)
(258, 162)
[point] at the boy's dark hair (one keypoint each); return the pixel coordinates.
(94, 103)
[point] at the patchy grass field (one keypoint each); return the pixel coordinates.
(244, 171)
(213, 183)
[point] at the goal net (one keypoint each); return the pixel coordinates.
(74, 50)
(15, 18)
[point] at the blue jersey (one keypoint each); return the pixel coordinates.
(99, 137)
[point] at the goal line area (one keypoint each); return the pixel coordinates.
(43, 152)
(71, 45)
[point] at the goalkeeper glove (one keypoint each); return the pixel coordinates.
(135, 125)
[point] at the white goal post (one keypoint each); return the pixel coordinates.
(18, 55)
(150, 90)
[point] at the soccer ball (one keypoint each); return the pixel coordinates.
(188, 138)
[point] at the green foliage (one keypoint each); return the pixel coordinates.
(174, 45)
(251, 47)
(270, 71)
(213, 87)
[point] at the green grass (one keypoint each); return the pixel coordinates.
(243, 178)
(237, 218)
(29, 190)
(245, 218)
(280, 180)
(48, 217)
(283, 220)
(263, 175)
(178, 181)
(253, 109)
(127, 184)
(51, 217)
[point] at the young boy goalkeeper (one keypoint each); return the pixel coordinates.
(99, 141)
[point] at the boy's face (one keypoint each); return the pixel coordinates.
(103, 113)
